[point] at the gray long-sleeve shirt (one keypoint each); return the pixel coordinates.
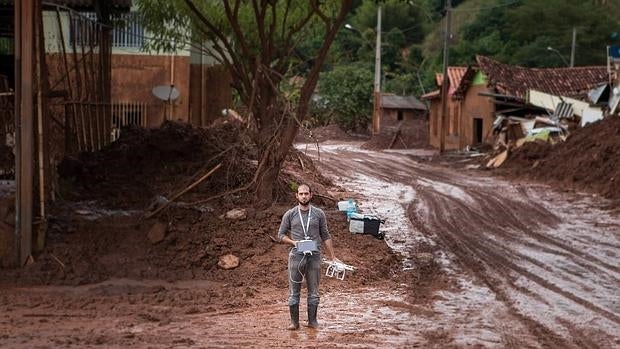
(317, 229)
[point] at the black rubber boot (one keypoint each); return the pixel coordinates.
(312, 309)
(294, 310)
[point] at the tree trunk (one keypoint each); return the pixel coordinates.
(270, 163)
(265, 187)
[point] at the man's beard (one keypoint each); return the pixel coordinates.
(302, 203)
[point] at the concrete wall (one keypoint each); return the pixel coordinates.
(133, 79)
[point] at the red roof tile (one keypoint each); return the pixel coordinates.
(515, 80)
(455, 74)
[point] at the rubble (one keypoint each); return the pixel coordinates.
(587, 160)
(115, 239)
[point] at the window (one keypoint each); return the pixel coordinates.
(399, 116)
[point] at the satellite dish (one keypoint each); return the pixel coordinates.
(166, 93)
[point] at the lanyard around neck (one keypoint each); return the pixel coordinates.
(307, 226)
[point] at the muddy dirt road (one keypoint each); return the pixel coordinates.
(535, 268)
(518, 266)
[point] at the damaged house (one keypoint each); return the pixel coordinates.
(479, 93)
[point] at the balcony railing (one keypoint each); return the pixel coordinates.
(127, 32)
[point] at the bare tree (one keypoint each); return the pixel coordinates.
(256, 40)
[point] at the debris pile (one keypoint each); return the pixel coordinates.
(589, 159)
(512, 132)
(100, 231)
(144, 163)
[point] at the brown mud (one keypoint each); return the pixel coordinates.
(468, 260)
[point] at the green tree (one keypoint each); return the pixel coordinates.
(345, 93)
(555, 19)
(396, 14)
(520, 34)
(257, 42)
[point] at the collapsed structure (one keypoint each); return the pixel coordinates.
(491, 101)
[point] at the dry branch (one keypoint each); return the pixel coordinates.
(176, 196)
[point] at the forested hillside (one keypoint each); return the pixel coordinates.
(530, 33)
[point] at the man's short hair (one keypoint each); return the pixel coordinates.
(304, 185)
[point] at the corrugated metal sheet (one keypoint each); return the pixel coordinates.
(401, 102)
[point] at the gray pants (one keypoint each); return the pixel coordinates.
(310, 266)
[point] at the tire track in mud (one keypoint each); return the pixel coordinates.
(502, 233)
(499, 261)
(489, 256)
(512, 217)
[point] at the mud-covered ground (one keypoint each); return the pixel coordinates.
(469, 260)
(527, 265)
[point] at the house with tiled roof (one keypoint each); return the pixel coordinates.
(489, 88)
(455, 75)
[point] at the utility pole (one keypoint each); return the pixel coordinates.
(572, 49)
(376, 108)
(24, 127)
(444, 84)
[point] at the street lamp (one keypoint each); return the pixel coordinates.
(549, 48)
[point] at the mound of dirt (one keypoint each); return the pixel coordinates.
(84, 248)
(92, 236)
(144, 163)
(589, 160)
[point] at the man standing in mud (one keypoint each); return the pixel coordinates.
(304, 222)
